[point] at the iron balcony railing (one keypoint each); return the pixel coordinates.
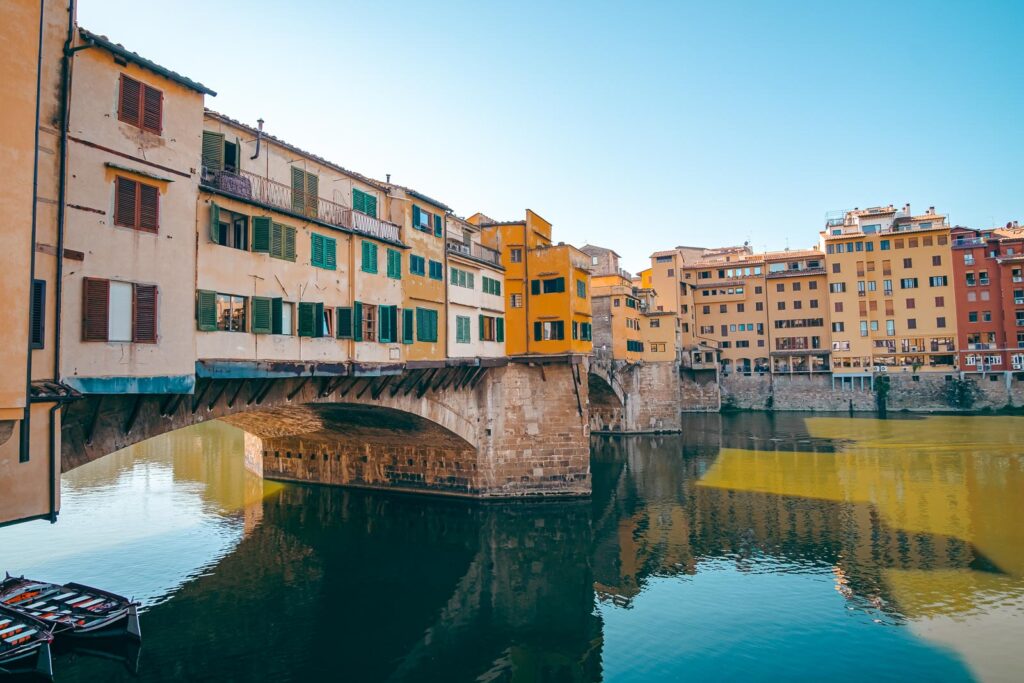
(968, 242)
(266, 191)
(476, 251)
(981, 346)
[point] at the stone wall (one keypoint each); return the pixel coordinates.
(634, 398)
(699, 394)
(926, 392)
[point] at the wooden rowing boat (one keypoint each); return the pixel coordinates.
(25, 644)
(73, 609)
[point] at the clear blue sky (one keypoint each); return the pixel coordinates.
(637, 126)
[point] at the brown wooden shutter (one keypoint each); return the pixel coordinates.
(95, 305)
(125, 199)
(131, 96)
(149, 208)
(152, 110)
(144, 318)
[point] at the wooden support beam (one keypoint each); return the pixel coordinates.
(369, 383)
(294, 392)
(255, 390)
(470, 373)
(425, 384)
(222, 386)
(441, 375)
(325, 382)
(333, 386)
(234, 396)
(170, 406)
(455, 372)
(201, 395)
(419, 374)
(476, 379)
(380, 387)
(576, 388)
(90, 430)
(266, 389)
(348, 387)
(133, 414)
(398, 386)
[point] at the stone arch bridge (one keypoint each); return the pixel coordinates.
(633, 398)
(481, 428)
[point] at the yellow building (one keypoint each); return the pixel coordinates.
(476, 293)
(797, 303)
(424, 289)
(295, 259)
(616, 311)
(32, 122)
(659, 330)
(547, 287)
(891, 299)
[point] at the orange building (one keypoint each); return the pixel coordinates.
(891, 298)
(547, 287)
(616, 311)
(796, 291)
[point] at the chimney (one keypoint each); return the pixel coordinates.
(906, 208)
(931, 210)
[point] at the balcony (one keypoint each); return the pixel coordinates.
(475, 251)
(981, 346)
(245, 185)
(968, 243)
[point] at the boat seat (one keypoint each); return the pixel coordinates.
(21, 636)
(90, 603)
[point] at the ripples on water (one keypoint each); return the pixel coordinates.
(752, 548)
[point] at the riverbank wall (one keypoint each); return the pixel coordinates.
(925, 392)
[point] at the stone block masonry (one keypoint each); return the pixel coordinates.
(634, 398)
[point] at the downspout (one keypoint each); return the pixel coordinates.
(259, 136)
(526, 285)
(26, 420)
(58, 285)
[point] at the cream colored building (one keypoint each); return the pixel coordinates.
(476, 293)
(132, 188)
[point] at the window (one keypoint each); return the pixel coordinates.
(814, 303)
(883, 245)
(516, 255)
(426, 325)
(368, 321)
(838, 327)
(270, 316)
(758, 305)
(937, 259)
(119, 311)
(273, 238)
(908, 283)
(890, 328)
(757, 289)
(586, 331)
(417, 265)
(908, 263)
(911, 323)
(581, 289)
(364, 202)
(408, 325)
(305, 192)
(911, 303)
(550, 286)
(723, 308)
(369, 264)
(938, 281)
(516, 300)
(655, 323)
(323, 251)
(549, 330)
(228, 229)
(630, 303)
(636, 346)
(492, 329)
(462, 278)
(491, 286)
(782, 305)
(141, 105)
(388, 328)
(462, 329)
(427, 222)
(780, 287)
(616, 302)
(968, 258)
(986, 316)
(837, 287)
(136, 205)
(37, 323)
(740, 308)
(394, 264)
(863, 328)
(796, 286)
(983, 277)
(940, 301)
(940, 321)
(436, 270)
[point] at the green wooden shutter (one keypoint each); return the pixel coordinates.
(415, 216)
(481, 337)
(307, 313)
(358, 201)
(394, 264)
(276, 240)
(261, 315)
(499, 333)
(534, 286)
(317, 250)
(298, 189)
(312, 195)
(357, 321)
(206, 310)
(420, 323)
(261, 229)
(330, 253)
(289, 243)
(213, 150)
(318, 320)
(277, 316)
(438, 230)
(344, 323)
(369, 257)
(371, 206)
(538, 331)
(214, 223)
(407, 326)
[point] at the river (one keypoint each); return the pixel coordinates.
(752, 547)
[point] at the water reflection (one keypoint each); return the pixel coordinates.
(754, 547)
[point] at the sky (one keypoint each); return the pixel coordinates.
(637, 126)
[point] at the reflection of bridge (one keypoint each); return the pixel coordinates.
(380, 588)
(486, 428)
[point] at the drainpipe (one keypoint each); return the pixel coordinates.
(26, 420)
(526, 284)
(259, 136)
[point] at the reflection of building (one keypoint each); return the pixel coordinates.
(892, 303)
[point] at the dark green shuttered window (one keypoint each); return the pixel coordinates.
(324, 251)
(408, 324)
(369, 257)
(364, 202)
(394, 264)
(426, 325)
(344, 323)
